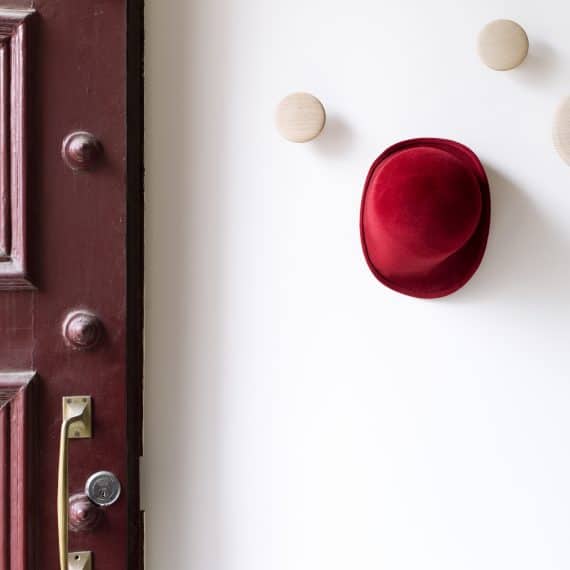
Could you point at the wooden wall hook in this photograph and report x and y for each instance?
(300, 117)
(561, 130)
(503, 45)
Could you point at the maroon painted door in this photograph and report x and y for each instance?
(70, 310)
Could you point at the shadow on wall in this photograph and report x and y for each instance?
(336, 138)
(542, 66)
(526, 262)
(185, 71)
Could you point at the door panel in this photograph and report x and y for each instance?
(68, 245)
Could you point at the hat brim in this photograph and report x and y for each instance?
(455, 271)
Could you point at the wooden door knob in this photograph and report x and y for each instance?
(300, 117)
(82, 330)
(84, 516)
(81, 150)
(503, 45)
(561, 130)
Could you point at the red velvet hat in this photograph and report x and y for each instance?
(425, 214)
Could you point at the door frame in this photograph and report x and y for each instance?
(135, 274)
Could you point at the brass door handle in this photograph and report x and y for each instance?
(76, 424)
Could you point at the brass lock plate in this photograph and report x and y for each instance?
(74, 406)
(80, 561)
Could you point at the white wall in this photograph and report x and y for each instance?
(300, 416)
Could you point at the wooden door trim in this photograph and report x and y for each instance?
(16, 432)
(135, 272)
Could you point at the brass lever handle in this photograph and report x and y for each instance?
(76, 424)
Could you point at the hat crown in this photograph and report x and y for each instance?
(427, 205)
(425, 216)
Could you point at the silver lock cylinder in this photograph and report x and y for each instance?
(103, 488)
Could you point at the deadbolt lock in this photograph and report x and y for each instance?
(103, 488)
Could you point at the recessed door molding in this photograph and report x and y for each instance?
(14, 32)
(16, 408)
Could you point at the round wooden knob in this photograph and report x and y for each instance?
(300, 117)
(84, 516)
(81, 150)
(561, 130)
(82, 330)
(503, 45)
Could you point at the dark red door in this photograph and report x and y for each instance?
(70, 313)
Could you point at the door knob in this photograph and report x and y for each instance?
(76, 424)
(81, 150)
(84, 515)
(82, 330)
